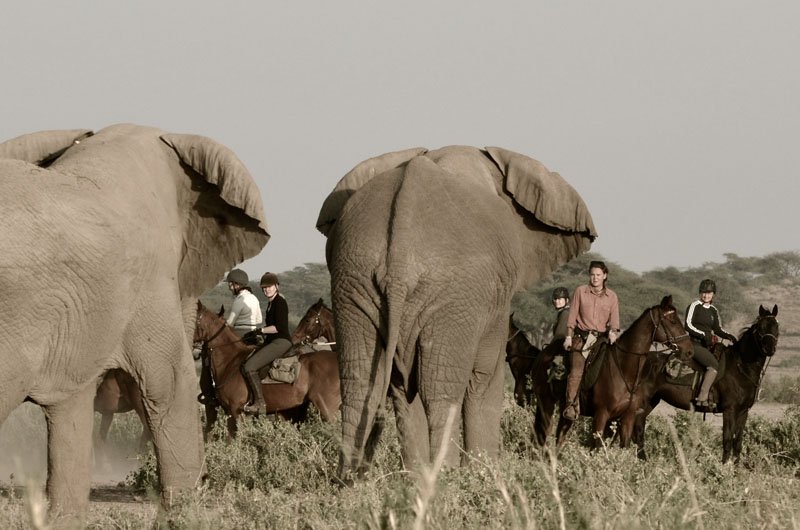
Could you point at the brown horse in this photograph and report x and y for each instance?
(742, 367)
(222, 382)
(118, 393)
(614, 395)
(317, 322)
(520, 356)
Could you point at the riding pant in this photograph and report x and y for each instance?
(263, 357)
(704, 357)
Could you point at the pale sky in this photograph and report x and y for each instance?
(676, 121)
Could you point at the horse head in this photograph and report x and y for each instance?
(766, 330)
(317, 322)
(669, 329)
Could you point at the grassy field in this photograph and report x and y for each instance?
(276, 475)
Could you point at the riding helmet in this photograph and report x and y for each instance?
(708, 286)
(269, 278)
(237, 276)
(560, 292)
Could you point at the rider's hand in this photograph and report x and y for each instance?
(612, 337)
(567, 343)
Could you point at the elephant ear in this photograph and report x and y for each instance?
(355, 179)
(42, 148)
(543, 193)
(226, 223)
(556, 223)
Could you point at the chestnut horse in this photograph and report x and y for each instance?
(222, 382)
(520, 356)
(317, 322)
(742, 367)
(118, 393)
(614, 395)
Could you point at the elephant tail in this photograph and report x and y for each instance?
(395, 301)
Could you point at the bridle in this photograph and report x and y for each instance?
(207, 351)
(759, 341)
(672, 341)
(510, 356)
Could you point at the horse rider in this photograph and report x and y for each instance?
(277, 340)
(594, 313)
(245, 313)
(560, 300)
(704, 326)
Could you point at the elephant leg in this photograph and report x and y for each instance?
(364, 379)
(162, 358)
(483, 402)
(69, 441)
(412, 429)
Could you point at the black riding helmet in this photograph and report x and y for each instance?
(237, 276)
(708, 286)
(269, 278)
(560, 292)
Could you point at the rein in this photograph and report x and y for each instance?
(209, 351)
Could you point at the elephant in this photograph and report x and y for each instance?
(108, 241)
(425, 250)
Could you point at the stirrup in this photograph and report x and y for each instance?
(255, 408)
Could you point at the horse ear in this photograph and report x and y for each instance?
(320, 301)
(221, 310)
(775, 310)
(761, 311)
(666, 301)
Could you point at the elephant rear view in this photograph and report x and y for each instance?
(108, 240)
(426, 249)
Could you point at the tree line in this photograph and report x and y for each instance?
(304, 285)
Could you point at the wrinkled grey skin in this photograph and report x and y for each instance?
(426, 249)
(107, 242)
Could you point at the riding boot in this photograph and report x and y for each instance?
(702, 396)
(572, 409)
(258, 406)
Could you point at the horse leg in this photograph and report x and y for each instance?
(639, 424)
(599, 423)
(545, 404)
(563, 427)
(741, 421)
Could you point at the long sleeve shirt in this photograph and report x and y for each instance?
(245, 313)
(277, 314)
(593, 312)
(702, 321)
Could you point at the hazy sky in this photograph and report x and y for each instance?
(676, 121)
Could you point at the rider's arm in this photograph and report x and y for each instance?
(718, 327)
(236, 308)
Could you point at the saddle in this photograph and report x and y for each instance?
(286, 369)
(690, 373)
(594, 362)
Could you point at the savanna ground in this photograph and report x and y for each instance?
(276, 475)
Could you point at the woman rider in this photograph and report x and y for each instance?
(245, 313)
(594, 313)
(277, 340)
(702, 323)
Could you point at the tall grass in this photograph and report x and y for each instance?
(277, 475)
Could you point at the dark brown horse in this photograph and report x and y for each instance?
(520, 356)
(742, 367)
(119, 393)
(317, 322)
(614, 395)
(222, 382)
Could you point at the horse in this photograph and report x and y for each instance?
(520, 356)
(222, 382)
(317, 322)
(614, 394)
(117, 393)
(742, 368)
